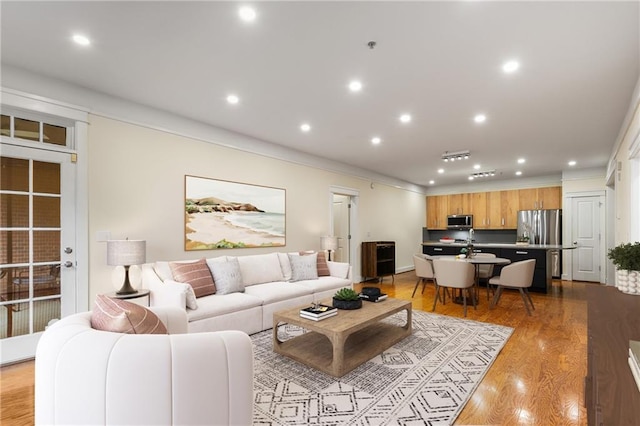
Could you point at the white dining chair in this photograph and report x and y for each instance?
(518, 275)
(424, 271)
(457, 275)
(485, 271)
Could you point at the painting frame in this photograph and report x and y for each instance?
(224, 214)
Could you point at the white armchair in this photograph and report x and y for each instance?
(90, 377)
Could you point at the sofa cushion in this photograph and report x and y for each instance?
(196, 274)
(189, 294)
(216, 305)
(260, 268)
(325, 283)
(338, 269)
(277, 291)
(285, 265)
(323, 268)
(120, 316)
(304, 267)
(227, 276)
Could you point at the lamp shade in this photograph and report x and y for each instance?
(126, 252)
(329, 243)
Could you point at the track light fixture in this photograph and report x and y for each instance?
(457, 155)
(488, 173)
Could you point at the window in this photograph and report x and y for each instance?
(40, 130)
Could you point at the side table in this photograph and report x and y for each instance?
(142, 297)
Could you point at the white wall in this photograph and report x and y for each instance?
(136, 190)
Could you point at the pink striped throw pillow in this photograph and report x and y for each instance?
(120, 316)
(196, 274)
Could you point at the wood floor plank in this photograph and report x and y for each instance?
(536, 379)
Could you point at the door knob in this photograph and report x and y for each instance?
(575, 243)
(68, 250)
(68, 264)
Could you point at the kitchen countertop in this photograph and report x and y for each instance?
(501, 245)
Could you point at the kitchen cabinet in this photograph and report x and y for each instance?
(540, 198)
(437, 210)
(491, 210)
(502, 209)
(479, 210)
(459, 204)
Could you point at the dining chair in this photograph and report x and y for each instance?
(457, 275)
(485, 272)
(424, 271)
(518, 275)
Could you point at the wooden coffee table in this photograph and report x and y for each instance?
(338, 344)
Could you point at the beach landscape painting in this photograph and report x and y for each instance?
(220, 214)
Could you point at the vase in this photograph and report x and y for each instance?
(628, 281)
(347, 304)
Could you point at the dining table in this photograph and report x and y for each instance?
(477, 262)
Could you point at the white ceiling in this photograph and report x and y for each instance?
(439, 61)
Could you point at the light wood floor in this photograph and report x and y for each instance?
(537, 379)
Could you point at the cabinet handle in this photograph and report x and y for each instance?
(522, 252)
(542, 204)
(503, 221)
(437, 249)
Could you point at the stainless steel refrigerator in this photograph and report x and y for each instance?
(543, 227)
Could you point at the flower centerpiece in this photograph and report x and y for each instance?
(626, 258)
(347, 298)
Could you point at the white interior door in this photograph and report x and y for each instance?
(586, 236)
(37, 246)
(341, 226)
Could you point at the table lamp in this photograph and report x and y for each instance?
(329, 244)
(126, 253)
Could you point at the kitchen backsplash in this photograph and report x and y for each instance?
(480, 235)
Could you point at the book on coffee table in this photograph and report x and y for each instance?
(373, 298)
(318, 312)
(319, 318)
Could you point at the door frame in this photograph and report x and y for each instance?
(567, 237)
(38, 106)
(353, 195)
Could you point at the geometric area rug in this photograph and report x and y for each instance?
(425, 379)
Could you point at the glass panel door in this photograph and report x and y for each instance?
(35, 270)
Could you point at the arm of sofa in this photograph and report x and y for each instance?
(169, 293)
(171, 379)
(175, 319)
(340, 269)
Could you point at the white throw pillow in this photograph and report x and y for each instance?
(285, 265)
(188, 291)
(304, 267)
(338, 269)
(227, 276)
(260, 268)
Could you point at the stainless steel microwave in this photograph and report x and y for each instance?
(459, 221)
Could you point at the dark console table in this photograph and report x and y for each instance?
(611, 394)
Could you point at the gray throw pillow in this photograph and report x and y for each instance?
(304, 267)
(227, 276)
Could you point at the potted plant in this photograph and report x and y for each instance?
(626, 258)
(347, 298)
(522, 240)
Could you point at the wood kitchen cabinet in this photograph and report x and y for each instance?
(437, 208)
(459, 203)
(479, 209)
(502, 208)
(540, 198)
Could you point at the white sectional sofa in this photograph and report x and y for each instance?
(267, 289)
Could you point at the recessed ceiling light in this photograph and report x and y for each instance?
(247, 14)
(510, 66)
(521, 160)
(405, 118)
(233, 99)
(355, 86)
(480, 118)
(431, 182)
(305, 127)
(376, 140)
(81, 40)
(518, 173)
(572, 163)
(476, 166)
(440, 171)
(470, 178)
